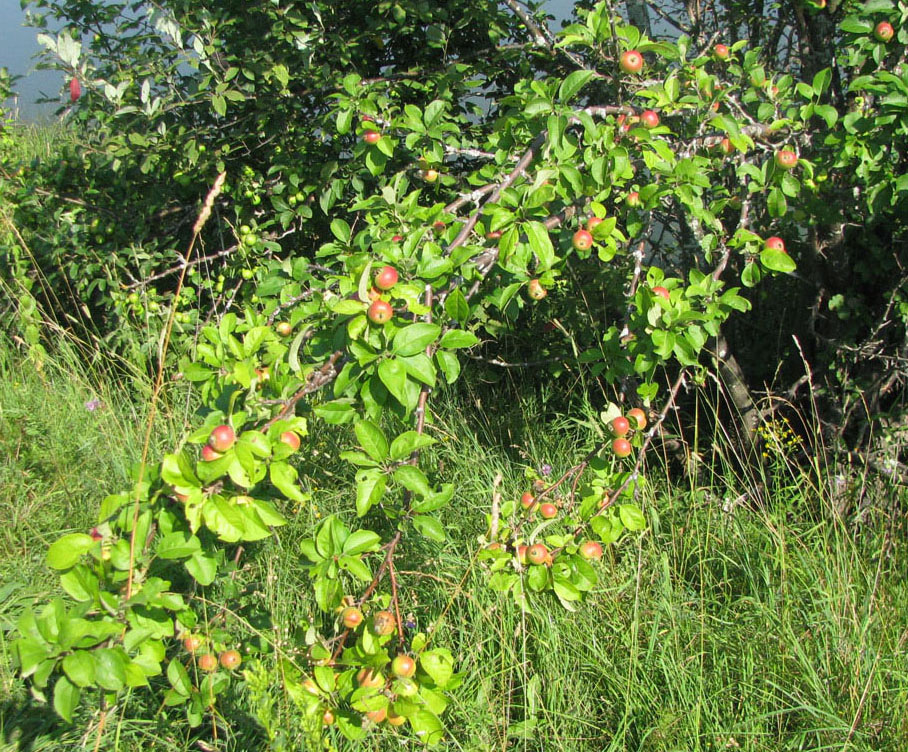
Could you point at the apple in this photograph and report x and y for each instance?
(638, 416)
(96, 534)
(537, 554)
(311, 687)
(283, 328)
(631, 62)
(230, 659)
(328, 717)
(352, 617)
(371, 137)
(633, 200)
(621, 447)
(75, 88)
(535, 290)
(592, 223)
(548, 511)
(380, 312)
(208, 662)
(291, 440)
(383, 623)
(403, 666)
(370, 678)
(192, 643)
(883, 32)
(620, 426)
(386, 278)
(222, 438)
(649, 118)
(493, 235)
(726, 146)
(591, 550)
(661, 292)
(430, 175)
(209, 455)
(397, 238)
(721, 51)
(527, 499)
(582, 240)
(522, 554)
(377, 716)
(396, 720)
(786, 159)
(775, 243)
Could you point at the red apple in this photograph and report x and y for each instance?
(527, 499)
(283, 328)
(403, 666)
(377, 716)
(721, 51)
(775, 243)
(222, 438)
(631, 62)
(883, 31)
(380, 312)
(371, 137)
(620, 426)
(396, 720)
(493, 235)
(192, 643)
(633, 200)
(592, 223)
(352, 617)
(397, 238)
(430, 175)
(208, 662)
(649, 118)
(328, 717)
(75, 88)
(386, 278)
(370, 678)
(535, 290)
(209, 455)
(582, 240)
(662, 292)
(726, 146)
(383, 623)
(638, 416)
(230, 659)
(621, 447)
(786, 159)
(591, 550)
(291, 440)
(537, 554)
(521, 552)
(548, 511)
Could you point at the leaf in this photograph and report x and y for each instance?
(456, 306)
(66, 698)
(430, 527)
(420, 367)
(110, 670)
(541, 245)
(80, 668)
(632, 517)
(65, 552)
(372, 439)
(284, 477)
(178, 545)
(438, 664)
(415, 338)
(394, 376)
(573, 83)
(777, 261)
(361, 541)
(407, 443)
(202, 568)
(179, 678)
(776, 203)
(456, 339)
(370, 487)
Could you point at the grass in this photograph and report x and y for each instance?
(740, 620)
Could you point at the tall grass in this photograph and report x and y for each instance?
(752, 614)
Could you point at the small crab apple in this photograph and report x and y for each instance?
(649, 118)
(620, 426)
(222, 438)
(662, 292)
(633, 200)
(370, 678)
(592, 223)
(631, 62)
(230, 659)
(403, 666)
(883, 31)
(291, 439)
(521, 552)
(535, 290)
(786, 159)
(371, 137)
(352, 617)
(493, 235)
(726, 146)
(396, 720)
(192, 643)
(430, 175)
(537, 554)
(328, 717)
(397, 238)
(721, 51)
(638, 416)
(775, 243)
(209, 455)
(380, 312)
(377, 716)
(208, 662)
(386, 278)
(527, 499)
(548, 511)
(283, 328)
(621, 447)
(582, 240)
(383, 623)
(591, 550)
(75, 88)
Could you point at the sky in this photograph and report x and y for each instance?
(18, 45)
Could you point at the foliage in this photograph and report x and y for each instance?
(431, 143)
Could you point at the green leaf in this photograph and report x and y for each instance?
(372, 439)
(110, 668)
(361, 541)
(202, 568)
(285, 479)
(438, 664)
(420, 367)
(456, 339)
(66, 698)
(430, 527)
(541, 245)
(415, 338)
(632, 517)
(413, 479)
(178, 545)
(456, 306)
(776, 203)
(65, 552)
(179, 678)
(449, 364)
(777, 261)
(573, 83)
(80, 668)
(394, 376)
(407, 443)
(370, 487)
